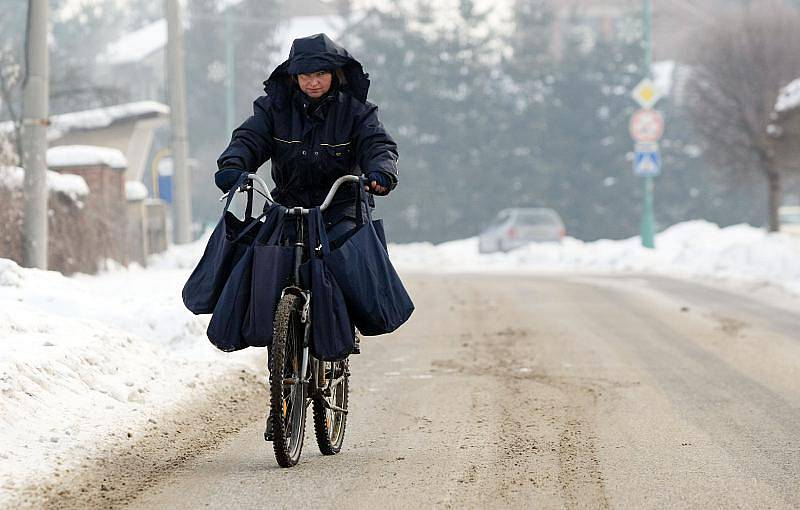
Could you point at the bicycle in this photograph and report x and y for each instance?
(297, 379)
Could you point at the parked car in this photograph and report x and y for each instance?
(789, 217)
(513, 228)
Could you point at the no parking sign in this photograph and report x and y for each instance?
(646, 126)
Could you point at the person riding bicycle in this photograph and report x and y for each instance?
(316, 125)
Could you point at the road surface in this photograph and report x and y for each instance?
(556, 391)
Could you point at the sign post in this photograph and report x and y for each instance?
(647, 127)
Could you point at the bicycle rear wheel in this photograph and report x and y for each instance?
(287, 389)
(330, 407)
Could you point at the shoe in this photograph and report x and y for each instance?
(357, 345)
(268, 433)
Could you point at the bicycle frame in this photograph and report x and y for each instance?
(299, 213)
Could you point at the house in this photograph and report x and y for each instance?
(135, 63)
(784, 132)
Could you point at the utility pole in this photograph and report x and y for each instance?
(230, 61)
(648, 217)
(34, 136)
(182, 203)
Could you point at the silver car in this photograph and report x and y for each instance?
(513, 228)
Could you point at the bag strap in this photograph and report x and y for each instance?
(359, 194)
(362, 200)
(248, 210)
(322, 233)
(273, 225)
(232, 193)
(251, 226)
(317, 236)
(313, 236)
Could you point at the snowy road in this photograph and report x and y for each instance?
(545, 392)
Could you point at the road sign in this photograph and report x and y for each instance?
(647, 159)
(646, 125)
(646, 93)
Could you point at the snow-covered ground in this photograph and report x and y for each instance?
(86, 357)
(691, 249)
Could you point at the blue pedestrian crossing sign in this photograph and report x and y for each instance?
(647, 160)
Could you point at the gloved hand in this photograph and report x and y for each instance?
(378, 183)
(226, 178)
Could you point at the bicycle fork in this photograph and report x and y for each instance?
(305, 318)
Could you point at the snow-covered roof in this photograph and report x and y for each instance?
(137, 45)
(662, 76)
(104, 117)
(789, 97)
(135, 191)
(98, 118)
(71, 185)
(302, 26)
(85, 155)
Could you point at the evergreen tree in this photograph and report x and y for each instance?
(438, 98)
(587, 118)
(206, 73)
(527, 80)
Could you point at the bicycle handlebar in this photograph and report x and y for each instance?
(325, 203)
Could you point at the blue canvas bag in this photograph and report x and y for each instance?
(375, 295)
(225, 330)
(272, 268)
(227, 244)
(332, 332)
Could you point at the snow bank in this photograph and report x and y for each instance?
(789, 97)
(85, 155)
(85, 356)
(695, 248)
(71, 185)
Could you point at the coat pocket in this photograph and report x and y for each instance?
(286, 150)
(338, 158)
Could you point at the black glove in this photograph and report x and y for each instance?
(226, 178)
(381, 179)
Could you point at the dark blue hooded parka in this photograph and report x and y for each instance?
(311, 144)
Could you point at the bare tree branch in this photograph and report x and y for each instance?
(741, 61)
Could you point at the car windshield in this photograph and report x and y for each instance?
(536, 218)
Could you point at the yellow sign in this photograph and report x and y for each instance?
(646, 93)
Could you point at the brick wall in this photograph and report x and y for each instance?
(82, 233)
(107, 206)
(67, 249)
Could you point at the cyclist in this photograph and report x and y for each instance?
(316, 125)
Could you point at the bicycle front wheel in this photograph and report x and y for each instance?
(287, 389)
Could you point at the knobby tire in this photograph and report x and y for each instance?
(288, 402)
(329, 426)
